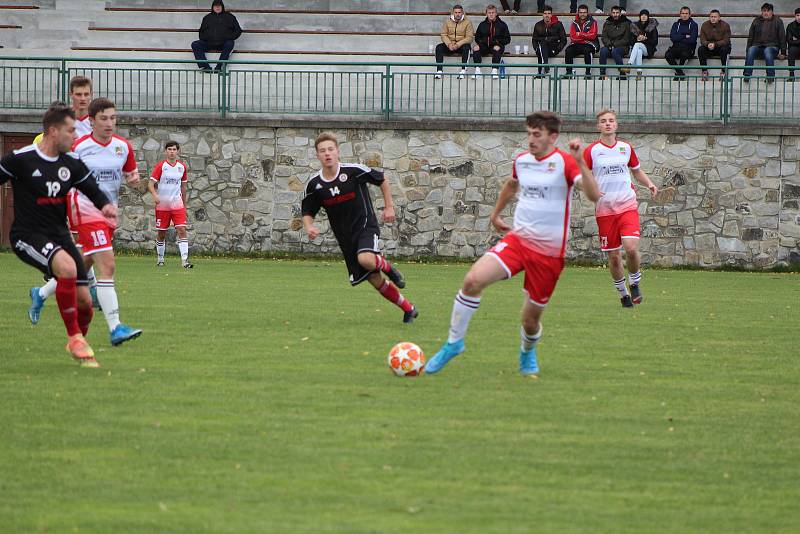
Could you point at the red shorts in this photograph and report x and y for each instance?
(95, 237)
(164, 217)
(541, 272)
(614, 228)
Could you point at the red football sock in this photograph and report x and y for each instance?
(67, 298)
(85, 318)
(392, 294)
(382, 264)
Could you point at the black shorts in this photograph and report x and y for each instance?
(37, 249)
(365, 241)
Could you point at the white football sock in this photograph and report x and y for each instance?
(107, 295)
(635, 278)
(91, 277)
(621, 287)
(48, 289)
(529, 341)
(160, 246)
(183, 247)
(463, 309)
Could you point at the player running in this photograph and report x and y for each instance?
(170, 199)
(544, 177)
(41, 176)
(341, 189)
(110, 158)
(612, 161)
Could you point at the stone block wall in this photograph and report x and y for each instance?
(727, 197)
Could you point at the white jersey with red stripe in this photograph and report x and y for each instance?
(169, 179)
(541, 218)
(82, 126)
(107, 162)
(611, 166)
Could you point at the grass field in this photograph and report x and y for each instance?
(258, 399)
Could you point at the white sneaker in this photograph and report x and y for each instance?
(477, 73)
(598, 12)
(462, 74)
(495, 76)
(623, 12)
(438, 75)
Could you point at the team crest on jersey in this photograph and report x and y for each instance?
(343, 177)
(551, 166)
(63, 174)
(118, 150)
(622, 150)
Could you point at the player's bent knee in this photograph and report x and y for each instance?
(367, 261)
(473, 284)
(63, 266)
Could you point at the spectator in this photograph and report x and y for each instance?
(617, 34)
(491, 37)
(767, 39)
(583, 34)
(645, 37)
(457, 34)
(218, 31)
(793, 42)
(539, 3)
(549, 37)
(600, 3)
(715, 41)
(684, 41)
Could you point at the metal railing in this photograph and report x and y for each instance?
(397, 90)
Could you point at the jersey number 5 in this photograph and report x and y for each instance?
(99, 238)
(53, 188)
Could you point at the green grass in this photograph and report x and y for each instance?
(258, 399)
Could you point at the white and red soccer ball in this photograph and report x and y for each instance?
(406, 359)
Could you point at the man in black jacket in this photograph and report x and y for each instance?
(793, 42)
(549, 38)
(218, 31)
(491, 37)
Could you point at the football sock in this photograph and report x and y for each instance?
(382, 264)
(160, 246)
(463, 308)
(48, 289)
(529, 341)
(67, 298)
(85, 318)
(392, 294)
(621, 287)
(183, 247)
(107, 296)
(91, 277)
(635, 278)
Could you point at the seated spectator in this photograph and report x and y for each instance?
(457, 34)
(767, 39)
(218, 31)
(600, 3)
(549, 37)
(491, 37)
(793, 42)
(583, 34)
(515, 10)
(684, 41)
(645, 39)
(616, 37)
(715, 41)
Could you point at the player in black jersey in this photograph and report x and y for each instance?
(41, 175)
(341, 189)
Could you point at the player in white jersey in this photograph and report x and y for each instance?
(110, 158)
(170, 199)
(612, 161)
(544, 178)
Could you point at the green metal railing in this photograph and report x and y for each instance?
(398, 90)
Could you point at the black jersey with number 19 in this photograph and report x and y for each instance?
(40, 185)
(345, 199)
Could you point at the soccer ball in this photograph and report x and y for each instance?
(406, 359)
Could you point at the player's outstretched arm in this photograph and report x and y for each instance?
(588, 184)
(645, 180)
(507, 193)
(308, 226)
(388, 202)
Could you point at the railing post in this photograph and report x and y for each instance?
(63, 89)
(386, 105)
(726, 95)
(222, 91)
(555, 87)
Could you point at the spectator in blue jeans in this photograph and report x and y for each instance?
(218, 31)
(616, 37)
(767, 39)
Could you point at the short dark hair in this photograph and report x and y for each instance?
(79, 81)
(547, 8)
(544, 119)
(797, 11)
(172, 143)
(687, 8)
(100, 104)
(56, 114)
(616, 7)
(767, 6)
(583, 6)
(458, 6)
(714, 11)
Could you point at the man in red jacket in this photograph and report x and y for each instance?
(583, 34)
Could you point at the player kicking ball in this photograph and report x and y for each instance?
(543, 179)
(341, 190)
(169, 178)
(41, 176)
(612, 160)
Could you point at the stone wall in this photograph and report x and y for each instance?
(726, 198)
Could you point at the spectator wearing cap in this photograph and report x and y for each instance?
(645, 40)
(766, 39)
(715, 41)
(793, 42)
(218, 31)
